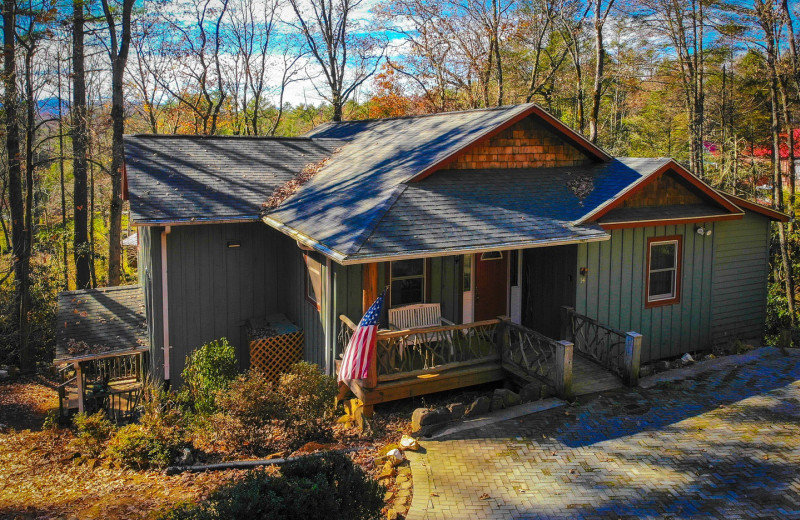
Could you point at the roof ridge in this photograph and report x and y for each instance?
(234, 137)
(432, 114)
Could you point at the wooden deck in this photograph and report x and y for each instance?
(588, 377)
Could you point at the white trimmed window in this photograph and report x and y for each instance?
(663, 270)
(408, 282)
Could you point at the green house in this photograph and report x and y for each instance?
(468, 215)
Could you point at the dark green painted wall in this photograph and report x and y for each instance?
(741, 264)
(712, 296)
(214, 289)
(549, 281)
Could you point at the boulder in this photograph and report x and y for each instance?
(185, 458)
(497, 403)
(426, 417)
(479, 406)
(409, 443)
(509, 398)
(530, 392)
(456, 411)
(396, 457)
(709, 357)
(687, 359)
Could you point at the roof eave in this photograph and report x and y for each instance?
(344, 259)
(770, 213)
(670, 164)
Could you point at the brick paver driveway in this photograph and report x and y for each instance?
(724, 444)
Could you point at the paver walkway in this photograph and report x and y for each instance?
(724, 444)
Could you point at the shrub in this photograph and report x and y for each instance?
(327, 486)
(93, 433)
(309, 396)
(251, 406)
(159, 436)
(209, 369)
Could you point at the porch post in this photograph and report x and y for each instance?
(369, 285)
(633, 354)
(564, 369)
(566, 323)
(79, 381)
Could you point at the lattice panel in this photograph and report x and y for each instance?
(275, 354)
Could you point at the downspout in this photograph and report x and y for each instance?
(165, 299)
(330, 323)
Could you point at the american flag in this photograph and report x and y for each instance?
(355, 363)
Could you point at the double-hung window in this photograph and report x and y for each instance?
(408, 282)
(663, 270)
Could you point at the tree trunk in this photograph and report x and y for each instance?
(767, 21)
(61, 178)
(14, 158)
(118, 54)
(79, 163)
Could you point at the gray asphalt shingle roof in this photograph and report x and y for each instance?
(473, 209)
(188, 178)
(111, 317)
(343, 203)
(361, 204)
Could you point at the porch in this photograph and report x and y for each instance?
(420, 361)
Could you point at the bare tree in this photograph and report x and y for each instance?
(346, 58)
(117, 48)
(768, 21)
(600, 16)
(195, 78)
(81, 247)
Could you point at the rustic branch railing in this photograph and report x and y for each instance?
(539, 356)
(615, 350)
(430, 347)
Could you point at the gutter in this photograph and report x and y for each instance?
(165, 299)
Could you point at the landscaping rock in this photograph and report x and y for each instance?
(687, 359)
(708, 357)
(426, 417)
(456, 411)
(645, 370)
(391, 514)
(497, 403)
(396, 457)
(662, 365)
(387, 471)
(3, 374)
(479, 406)
(530, 392)
(185, 458)
(509, 398)
(676, 364)
(409, 443)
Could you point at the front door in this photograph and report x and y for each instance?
(491, 285)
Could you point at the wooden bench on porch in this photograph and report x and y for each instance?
(412, 362)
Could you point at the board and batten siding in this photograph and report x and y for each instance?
(213, 289)
(741, 265)
(292, 300)
(613, 292)
(723, 286)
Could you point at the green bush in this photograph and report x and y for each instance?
(328, 486)
(208, 369)
(251, 407)
(157, 439)
(309, 396)
(93, 433)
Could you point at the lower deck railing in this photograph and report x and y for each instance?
(407, 353)
(615, 350)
